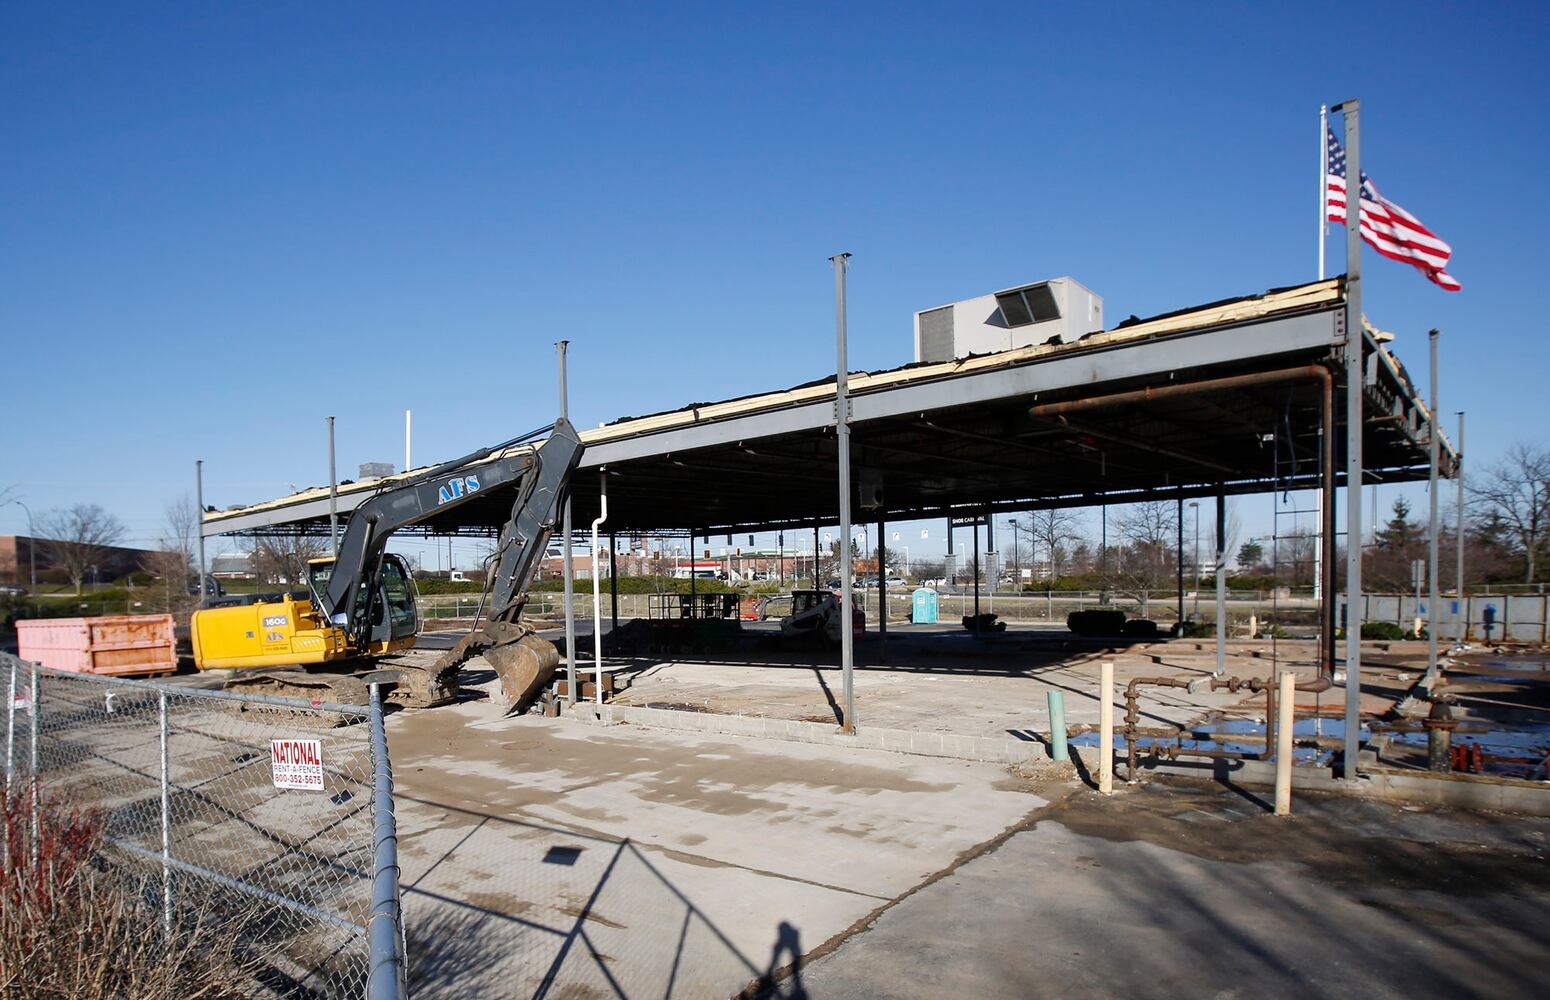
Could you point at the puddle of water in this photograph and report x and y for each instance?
(1330, 728)
(1527, 663)
(1300, 755)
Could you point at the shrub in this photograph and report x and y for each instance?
(431, 588)
(1096, 622)
(1139, 628)
(74, 926)
(641, 585)
(1386, 631)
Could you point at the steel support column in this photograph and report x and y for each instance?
(613, 579)
(842, 432)
(1221, 581)
(1354, 375)
(882, 588)
(1434, 432)
(1458, 570)
(1178, 563)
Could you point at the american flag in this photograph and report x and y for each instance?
(1386, 227)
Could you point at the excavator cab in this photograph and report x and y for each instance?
(394, 610)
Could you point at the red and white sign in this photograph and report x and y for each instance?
(297, 764)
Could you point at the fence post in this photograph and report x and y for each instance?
(386, 973)
(10, 741)
(32, 761)
(10, 730)
(166, 822)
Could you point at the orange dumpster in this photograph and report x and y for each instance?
(107, 644)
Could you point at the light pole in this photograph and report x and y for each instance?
(1195, 559)
(32, 548)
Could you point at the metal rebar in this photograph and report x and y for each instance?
(385, 978)
(166, 819)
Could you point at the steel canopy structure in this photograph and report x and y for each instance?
(1223, 398)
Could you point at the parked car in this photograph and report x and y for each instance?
(12, 590)
(897, 581)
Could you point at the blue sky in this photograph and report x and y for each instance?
(221, 223)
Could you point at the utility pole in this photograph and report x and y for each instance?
(333, 495)
(32, 546)
(199, 526)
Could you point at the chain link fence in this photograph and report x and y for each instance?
(275, 813)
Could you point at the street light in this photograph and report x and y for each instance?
(32, 547)
(1196, 558)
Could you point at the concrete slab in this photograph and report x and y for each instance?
(653, 863)
(946, 680)
(1191, 891)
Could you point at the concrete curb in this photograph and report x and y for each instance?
(996, 749)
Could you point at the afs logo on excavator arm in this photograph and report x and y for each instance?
(456, 488)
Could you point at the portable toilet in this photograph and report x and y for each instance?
(923, 606)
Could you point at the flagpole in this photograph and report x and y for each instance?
(1350, 110)
(1323, 189)
(1318, 499)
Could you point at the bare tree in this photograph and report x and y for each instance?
(173, 560)
(1053, 531)
(1514, 494)
(78, 538)
(284, 558)
(1147, 560)
(1229, 539)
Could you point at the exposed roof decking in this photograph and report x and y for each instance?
(958, 434)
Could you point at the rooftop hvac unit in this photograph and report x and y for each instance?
(375, 470)
(1060, 308)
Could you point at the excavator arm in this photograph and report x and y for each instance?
(542, 475)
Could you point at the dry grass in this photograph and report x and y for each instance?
(74, 927)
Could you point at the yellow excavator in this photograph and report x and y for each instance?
(322, 643)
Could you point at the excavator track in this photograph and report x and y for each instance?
(403, 684)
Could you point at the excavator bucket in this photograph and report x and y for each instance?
(524, 667)
(523, 663)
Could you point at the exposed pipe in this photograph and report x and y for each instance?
(1327, 420)
(597, 593)
(1231, 684)
(1178, 389)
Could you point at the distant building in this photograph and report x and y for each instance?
(233, 567)
(17, 553)
(375, 470)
